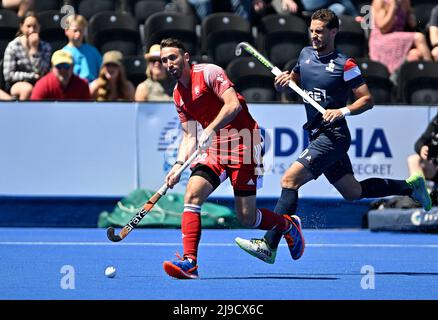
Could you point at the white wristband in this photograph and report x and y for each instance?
(345, 111)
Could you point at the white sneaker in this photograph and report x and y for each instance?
(258, 248)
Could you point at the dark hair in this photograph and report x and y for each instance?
(327, 16)
(173, 43)
(23, 18)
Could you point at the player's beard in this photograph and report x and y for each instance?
(319, 45)
(177, 72)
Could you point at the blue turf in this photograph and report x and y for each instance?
(406, 266)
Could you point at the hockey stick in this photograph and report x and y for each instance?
(252, 51)
(147, 207)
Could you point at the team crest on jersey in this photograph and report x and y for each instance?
(331, 66)
(220, 78)
(307, 61)
(197, 90)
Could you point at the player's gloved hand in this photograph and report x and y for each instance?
(205, 140)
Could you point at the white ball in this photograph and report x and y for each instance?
(110, 272)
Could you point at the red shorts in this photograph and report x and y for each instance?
(242, 167)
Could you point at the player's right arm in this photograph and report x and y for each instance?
(185, 149)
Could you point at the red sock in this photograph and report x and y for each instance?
(191, 230)
(270, 220)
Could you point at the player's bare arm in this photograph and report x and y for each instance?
(186, 148)
(363, 103)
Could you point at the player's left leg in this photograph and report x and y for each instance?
(201, 184)
(414, 186)
(264, 219)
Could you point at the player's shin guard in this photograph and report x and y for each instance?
(287, 204)
(191, 230)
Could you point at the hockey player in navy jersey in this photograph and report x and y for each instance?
(328, 76)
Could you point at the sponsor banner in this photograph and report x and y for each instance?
(109, 149)
(382, 139)
(67, 149)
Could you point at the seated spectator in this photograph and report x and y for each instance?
(86, 58)
(26, 59)
(389, 43)
(4, 95)
(61, 84)
(251, 10)
(339, 7)
(112, 84)
(285, 6)
(433, 32)
(425, 160)
(158, 86)
(21, 6)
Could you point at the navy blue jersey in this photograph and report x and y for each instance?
(328, 79)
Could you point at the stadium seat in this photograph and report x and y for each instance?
(88, 8)
(145, 8)
(252, 80)
(9, 24)
(376, 76)
(350, 39)
(418, 82)
(135, 67)
(114, 31)
(221, 32)
(171, 24)
(2, 78)
(281, 37)
(422, 10)
(46, 5)
(51, 30)
(200, 59)
(359, 4)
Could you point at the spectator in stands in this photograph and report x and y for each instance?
(61, 84)
(26, 59)
(158, 86)
(389, 43)
(4, 95)
(112, 84)
(21, 6)
(248, 9)
(433, 32)
(285, 6)
(339, 7)
(425, 159)
(86, 58)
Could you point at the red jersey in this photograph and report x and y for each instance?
(230, 152)
(201, 101)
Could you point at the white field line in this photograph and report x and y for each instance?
(171, 244)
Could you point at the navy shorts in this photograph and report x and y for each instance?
(327, 154)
